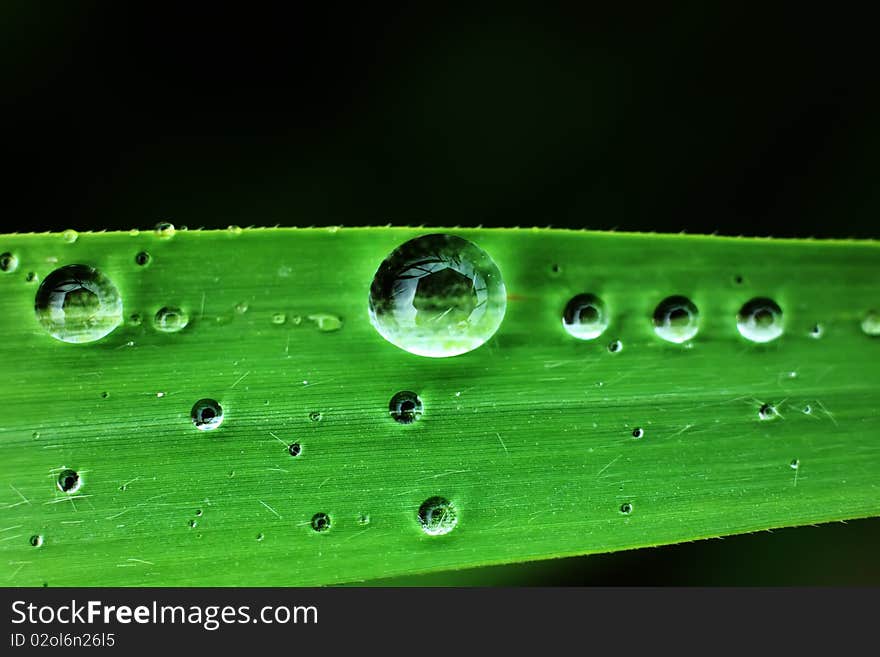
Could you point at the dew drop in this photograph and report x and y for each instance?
(585, 317)
(817, 331)
(36, 540)
(871, 323)
(135, 319)
(807, 409)
(142, 259)
(234, 230)
(164, 230)
(626, 508)
(8, 263)
(78, 304)
(68, 481)
(170, 319)
(364, 519)
(193, 524)
(795, 464)
(279, 318)
(206, 415)
(767, 412)
(241, 308)
(437, 516)
(405, 407)
(295, 449)
(760, 320)
(320, 522)
(437, 296)
(638, 432)
(676, 319)
(326, 322)
(30, 277)
(260, 537)
(615, 347)
(69, 236)
(316, 416)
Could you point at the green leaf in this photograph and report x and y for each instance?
(542, 444)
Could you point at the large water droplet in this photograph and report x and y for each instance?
(585, 317)
(77, 304)
(437, 296)
(871, 323)
(437, 516)
(676, 319)
(760, 320)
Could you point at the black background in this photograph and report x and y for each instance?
(699, 117)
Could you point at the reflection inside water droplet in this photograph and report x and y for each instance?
(171, 319)
(585, 317)
(437, 516)
(78, 304)
(207, 415)
(437, 296)
(760, 320)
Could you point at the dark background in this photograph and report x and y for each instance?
(727, 119)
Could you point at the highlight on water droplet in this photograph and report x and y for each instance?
(817, 331)
(585, 317)
(170, 319)
(36, 540)
(760, 320)
(142, 258)
(795, 464)
(69, 236)
(437, 296)
(206, 415)
(241, 308)
(326, 322)
(279, 318)
(234, 230)
(437, 516)
(767, 412)
(638, 432)
(626, 508)
(405, 407)
(871, 323)
(68, 481)
(615, 346)
(676, 319)
(8, 263)
(294, 449)
(78, 304)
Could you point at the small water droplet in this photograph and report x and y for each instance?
(35, 435)
(437, 296)
(326, 322)
(320, 522)
(8, 263)
(555, 269)
(206, 415)
(142, 258)
(817, 331)
(170, 319)
(30, 277)
(199, 513)
(193, 524)
(795, 464)
(676, 319)
(105, 395)
(316, 416)
(295, 449)
(68, 481)
(160, 395)
(405, 407)
(871, 323)
(767, 412)
(279, 318)
(615, 347)
(364, 519)
(738, 279)
(134, 232)
(260, 537)
(69, 236)
(164, 230)
(284, 271)
(437, 516)
(626, 508)
(760, 320)
(638, 432)
(585, 317)
(241, 308)
(78, 304)
(135, 319)
(36, 540)
(234, 230)
(807, 409)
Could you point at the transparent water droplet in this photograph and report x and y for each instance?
(164, 230)
(260, 537)
(807, 409)
(234, 230)
(170, 319)
(626, 508)
(69, 236)
(142, 259)
(767, 412)
(206, 415)
(8, 263)
(320, 522)
(871, 323)
(364, 519)
(193, 524)
(326, 322)
(68, 481)
(135, 319)
(241, 308)
(405, 407)
(36, 540)
(638, 432)
(316, 416)
(437, 516)
(817, 331)
(795, 464)
(295, 449)
(676, 319)
(615, 347)
(585, 317)
(279, 318)
(78, 304)
(134, 232)
(760, 320)
(159, 395)
(437, 296)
